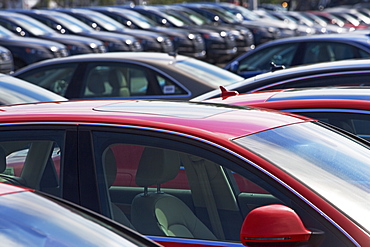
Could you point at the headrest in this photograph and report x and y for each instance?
(95, 83)
(117, 79)
(110, 166)
(157, 166)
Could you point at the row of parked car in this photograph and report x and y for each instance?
(216, 33)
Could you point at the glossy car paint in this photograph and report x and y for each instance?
(215, 126)
(26, 26)
(186, 43)
(354, 40)
(345, 107)
(193, 76)
(27, 50)
(150, 41)
(22, 219)
(66, 24)
(338, 73)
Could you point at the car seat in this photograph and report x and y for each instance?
(110, 175)
(119, 84)
(159, 213)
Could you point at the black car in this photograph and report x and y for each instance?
(186, 43)
(66, 24)
(150, 41)
(26, 26)
(248, 16)
(26, 51)
(295, 51)
(354, 72)
(220, 44)
(244, 39)
(6, 60)
(262, 32)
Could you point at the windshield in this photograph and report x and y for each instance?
(207, 72)
(331, 164)
(73, 24)
(106, 22)
(141, 21)
(5, 32)
(194, 17)
(35, 27)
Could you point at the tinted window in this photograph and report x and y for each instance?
(158, 186)
(33, 159)
(260, 60)
(125, 80)
(53, 78)
(330, 51)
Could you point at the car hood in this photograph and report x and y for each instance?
(32, 41)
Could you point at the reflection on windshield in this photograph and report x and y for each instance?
(331, 164)
(35, 27)
(5, 32)
(74, 24)
(207, 72)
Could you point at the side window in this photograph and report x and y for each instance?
(164, 188)
(363, 54)
(342, 79)
(260, 60)
(318, 52)
(53, 78)
(32, 162)
(124, 80)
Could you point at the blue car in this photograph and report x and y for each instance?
(301, 50)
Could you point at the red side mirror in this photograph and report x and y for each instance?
(276, 224)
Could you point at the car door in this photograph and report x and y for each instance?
(138, 167)
(41, 157)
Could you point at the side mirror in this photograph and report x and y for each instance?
(277, 225)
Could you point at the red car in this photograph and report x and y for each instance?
(344, 107)
(304, 183)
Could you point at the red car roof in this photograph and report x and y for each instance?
(191, 118)
(282, 99)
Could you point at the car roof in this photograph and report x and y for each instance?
(217, 120)
(258, 82)
(344, 97)
(147, 57)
